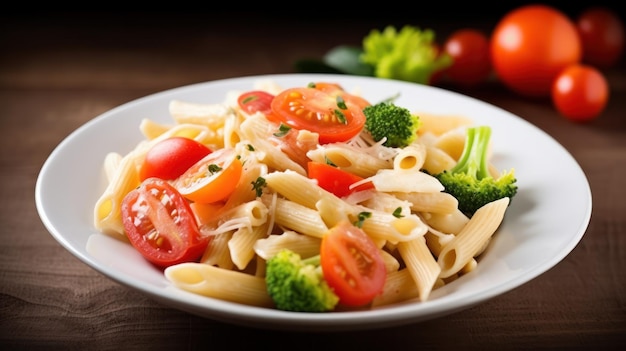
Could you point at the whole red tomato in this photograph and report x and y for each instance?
(530, 46)
(469, 49)
(602, 36)
(580, 92)
(171, 157)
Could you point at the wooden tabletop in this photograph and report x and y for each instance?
(60, 70)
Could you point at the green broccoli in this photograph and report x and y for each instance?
(387, 120)
(297, 284)
(409, 54)
(470, 181)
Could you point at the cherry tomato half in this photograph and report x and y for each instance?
(471, 59)
(602, 35)
(580, 92)
(335, 180)
(170, 157)
(352, 264)
(211, 179)
(160, 225)
(256, 101)
(334, 114)
(531, 45)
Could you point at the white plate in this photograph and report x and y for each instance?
(545, 221)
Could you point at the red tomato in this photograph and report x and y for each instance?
(469, 49)
(352, 264)
(211, 179)
(531, 45)
(602, 36)
(580, 92)
(335, 180)
(335, 89)
(160, 225)
(334, 114)
(170, 157)
(256, 101)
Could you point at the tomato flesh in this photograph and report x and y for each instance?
(352, 264)
(211, 179)
(334, 114)
(171, 157)
(335, 180)
(256, 101)
(160, 224)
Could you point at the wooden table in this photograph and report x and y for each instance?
(58, 71)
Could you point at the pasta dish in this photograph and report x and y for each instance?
(214, 216)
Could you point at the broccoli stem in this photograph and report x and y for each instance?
(313, 260)
(473, 160)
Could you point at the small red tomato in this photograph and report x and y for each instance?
(171, 157)
(159, 223)
(580, 92)
(469, 49)
(602, 36)
(352, 264)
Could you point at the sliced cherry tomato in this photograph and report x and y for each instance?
(602, 35)
(256, 101)
(469, 49)
(531, 45)
(335, 115)
(335, 180)
(352, 264)
(211, 179)
(335, 89)
(580, 92)
(170, 157)
(160, 225)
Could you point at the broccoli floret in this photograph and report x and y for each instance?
(387, 120)
(409, 54)
(297, 284)
(470, 181)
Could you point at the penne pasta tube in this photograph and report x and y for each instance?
(210, 115)
(219, 283)
(351, 159)
(112, 161)
(452, 222)
(438, 124)
(437, 160)
(472, 238)
(438, 202)
(421, 265)
(241, 244)
(107, 211)
(388, 180)
(299, 218)
(304, 245)
(452, 142)
(298, 188)
(217, 253)
(399, 286)
(383, 225)
(410, 158)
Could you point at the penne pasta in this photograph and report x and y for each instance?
(219, 283)
(472, 238)
(421, 265)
